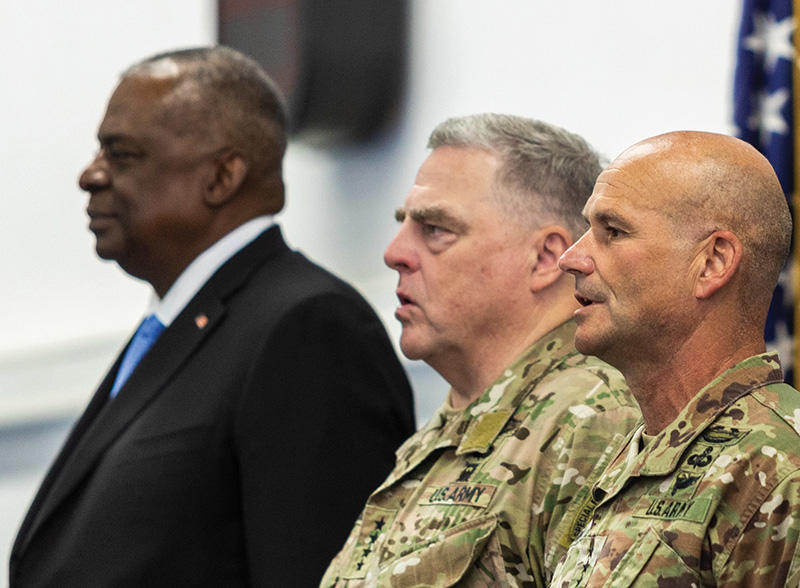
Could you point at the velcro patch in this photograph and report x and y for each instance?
(483, 431)
(478, 495)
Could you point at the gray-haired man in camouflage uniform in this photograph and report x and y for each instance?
(493, 488)
(688, 233)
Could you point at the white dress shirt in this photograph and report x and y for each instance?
(203, 267)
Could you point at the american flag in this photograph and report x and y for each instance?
(763, 114)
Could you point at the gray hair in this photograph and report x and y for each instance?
(224, 95)
(546, 173)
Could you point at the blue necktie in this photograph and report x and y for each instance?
(145, 336)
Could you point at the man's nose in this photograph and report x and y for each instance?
(400, 255)
(95, 177)
(576, 260)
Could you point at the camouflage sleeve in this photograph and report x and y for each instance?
(768, 553)
(589, 435)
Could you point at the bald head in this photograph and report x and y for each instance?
(705, 182)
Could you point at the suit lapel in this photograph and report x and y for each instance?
(104, 421)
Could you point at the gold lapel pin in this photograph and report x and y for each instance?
(201, 321)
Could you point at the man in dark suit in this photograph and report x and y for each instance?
(240, 448)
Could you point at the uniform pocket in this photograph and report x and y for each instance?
(467, 550)
(650, 562)
(579, 561)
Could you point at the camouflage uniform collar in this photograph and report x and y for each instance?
(662, 454)
(475, 428)
(482, 421)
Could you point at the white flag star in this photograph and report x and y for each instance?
(771, 38)
(767, 117)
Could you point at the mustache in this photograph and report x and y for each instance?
(587, 295)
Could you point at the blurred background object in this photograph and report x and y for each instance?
(340, 63)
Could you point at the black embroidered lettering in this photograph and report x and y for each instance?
(439, 494)
(655, 508)
(478, 491)
(672, 510)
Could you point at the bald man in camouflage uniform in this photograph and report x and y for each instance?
(707, 491)
(494, 487)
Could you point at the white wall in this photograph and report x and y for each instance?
(615, 71)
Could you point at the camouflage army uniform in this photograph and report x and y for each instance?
(713, 500)
(489, 495)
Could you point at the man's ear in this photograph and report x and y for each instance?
(548, 246)
(229, 172)
(717, 263)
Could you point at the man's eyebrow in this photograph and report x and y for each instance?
(112, 138)
(431, 215)
(609, 217)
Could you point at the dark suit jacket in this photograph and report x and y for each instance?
(241, 449)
